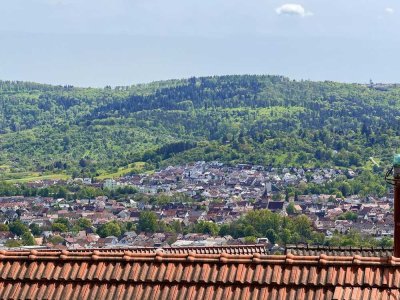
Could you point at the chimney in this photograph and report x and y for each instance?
(396, 179)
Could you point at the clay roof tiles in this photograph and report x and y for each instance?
(338, 251)
(126, 274)
(231, 249)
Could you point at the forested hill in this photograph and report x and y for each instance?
(269, 120)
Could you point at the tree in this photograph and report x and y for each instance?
(276, 197)
(176, 226)
(386, 242)
(207, 228)
(250, 239)
(224, 230)
(302, 226)
(147, 221)
(63, 221)
(59, 227)
(84, 223)
(348, 215)
(271, 235)
(250, 231)
(346, 189)
(286, 236)
(62, 192)
(109, 229)
(35, 229)
(55, 240)
(27, 239)
(352, 238)
(318, 238)
(13, 243)
(4, 227)
(83, 162)
(290, 209)
(18, 228)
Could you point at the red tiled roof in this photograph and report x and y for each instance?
(338, 251)
(158, 275)
(231, 249)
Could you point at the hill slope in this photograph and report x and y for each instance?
(258, 119)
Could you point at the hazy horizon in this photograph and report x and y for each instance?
(121, 42)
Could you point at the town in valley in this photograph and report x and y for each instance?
(201, 197)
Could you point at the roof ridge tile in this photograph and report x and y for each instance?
(192, 256)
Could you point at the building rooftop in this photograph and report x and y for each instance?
(231, 249)
(127, 274)
(339, 251)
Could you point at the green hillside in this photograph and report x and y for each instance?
(269, 120)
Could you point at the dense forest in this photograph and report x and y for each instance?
(268, 120)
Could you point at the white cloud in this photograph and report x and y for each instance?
(293, 10)
(389, 10)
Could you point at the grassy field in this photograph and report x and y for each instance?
(21, 177)
(373, 161)
(136, 167)
(29, 177)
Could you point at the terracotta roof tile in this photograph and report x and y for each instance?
(125, 274)
(231, 249)
(365, 293)
(338, 251)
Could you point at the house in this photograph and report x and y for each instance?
(110, 184)
(10, 215)
(87, 181)
(107, 242)
(275, 205)
(6, 235)
(128, 238)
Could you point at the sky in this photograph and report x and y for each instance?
(123, 42)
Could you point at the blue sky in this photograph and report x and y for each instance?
(122, 42)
